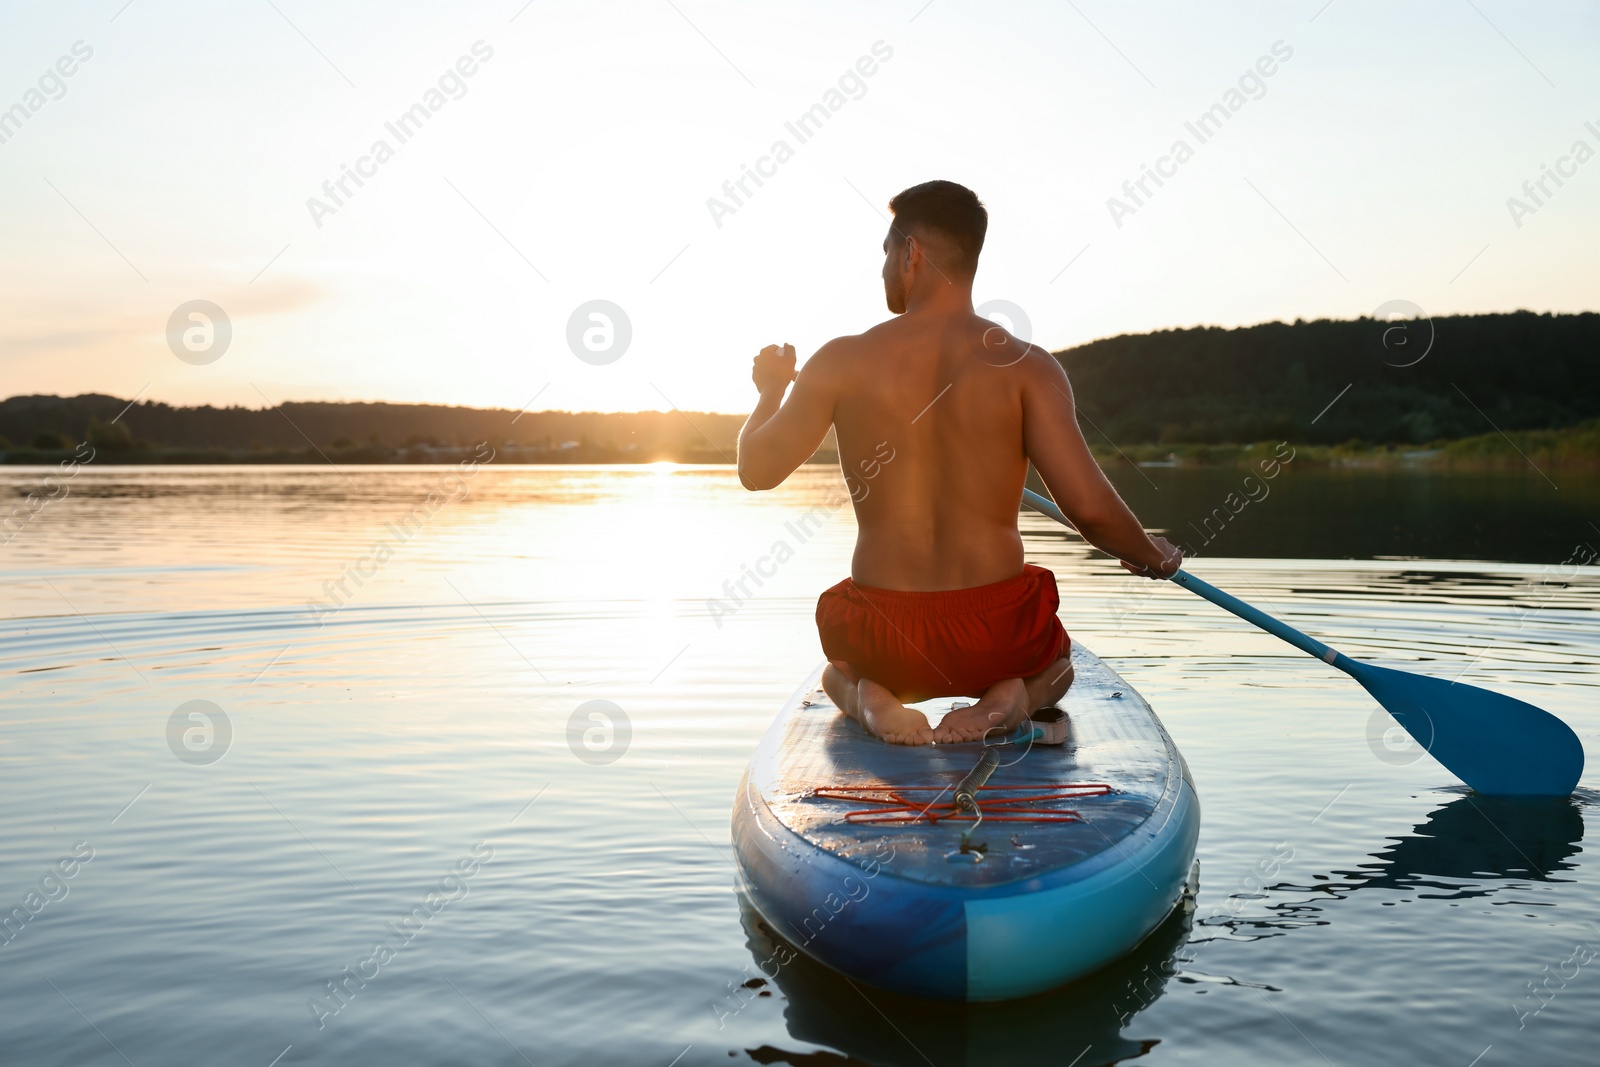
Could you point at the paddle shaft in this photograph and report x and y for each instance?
(1304, 642)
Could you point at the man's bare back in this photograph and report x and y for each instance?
(943, 514)
(938, 413)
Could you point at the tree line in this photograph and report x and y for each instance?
(1330, 382)
(1321, 382)
(375, 429)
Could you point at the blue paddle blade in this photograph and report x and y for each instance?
(1496, 744)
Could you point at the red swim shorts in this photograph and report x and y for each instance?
(953, 642)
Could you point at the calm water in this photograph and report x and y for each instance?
(400, 762)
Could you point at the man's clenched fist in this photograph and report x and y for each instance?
(773, 368)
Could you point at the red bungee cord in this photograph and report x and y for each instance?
(1001, 803)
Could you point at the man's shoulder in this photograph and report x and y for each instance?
(839, 354)
(849, 348)
(876, 334)
(1035, 365)
(1040, 363)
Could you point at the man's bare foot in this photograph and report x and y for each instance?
(875, 708)
(994, 716)
(889, 719)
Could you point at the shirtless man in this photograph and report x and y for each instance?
(939, 601)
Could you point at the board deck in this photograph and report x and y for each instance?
(844, 891)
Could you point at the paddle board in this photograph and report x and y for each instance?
(852, 849)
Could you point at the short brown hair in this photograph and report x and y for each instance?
(950, 210)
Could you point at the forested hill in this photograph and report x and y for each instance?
(1213, 385)
(1518, 371)
(380, 430)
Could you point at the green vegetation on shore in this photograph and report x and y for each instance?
(1577, 446)
(35, 429)
(1478, 391)
(1409, 382)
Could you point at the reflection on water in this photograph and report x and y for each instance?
(1084, 1019)
(1472, 846)
(1467, 845)
(1317, 512)
(389, 710)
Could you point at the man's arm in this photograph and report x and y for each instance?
(1056, 446)
(779, 436)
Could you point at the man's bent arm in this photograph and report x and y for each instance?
(766, 407)
(779, 436)
(1056, 446)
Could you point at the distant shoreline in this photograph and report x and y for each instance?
(1573, 448)
(1367, 391)
(1576, 447)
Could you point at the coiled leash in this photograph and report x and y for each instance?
(1048, 727)
(967, 796)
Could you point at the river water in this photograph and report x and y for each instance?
(258, 721)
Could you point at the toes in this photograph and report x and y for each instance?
(907, 739)
(962, 732)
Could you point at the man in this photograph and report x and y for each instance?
(942, 410)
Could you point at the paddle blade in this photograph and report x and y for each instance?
(1496, 744)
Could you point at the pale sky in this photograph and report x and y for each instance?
(576, 161)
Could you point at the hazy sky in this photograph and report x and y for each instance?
(576, 160)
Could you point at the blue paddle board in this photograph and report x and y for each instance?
(852, 849)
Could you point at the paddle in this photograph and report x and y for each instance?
(1496, 744)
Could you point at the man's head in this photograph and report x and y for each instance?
(935, 238)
